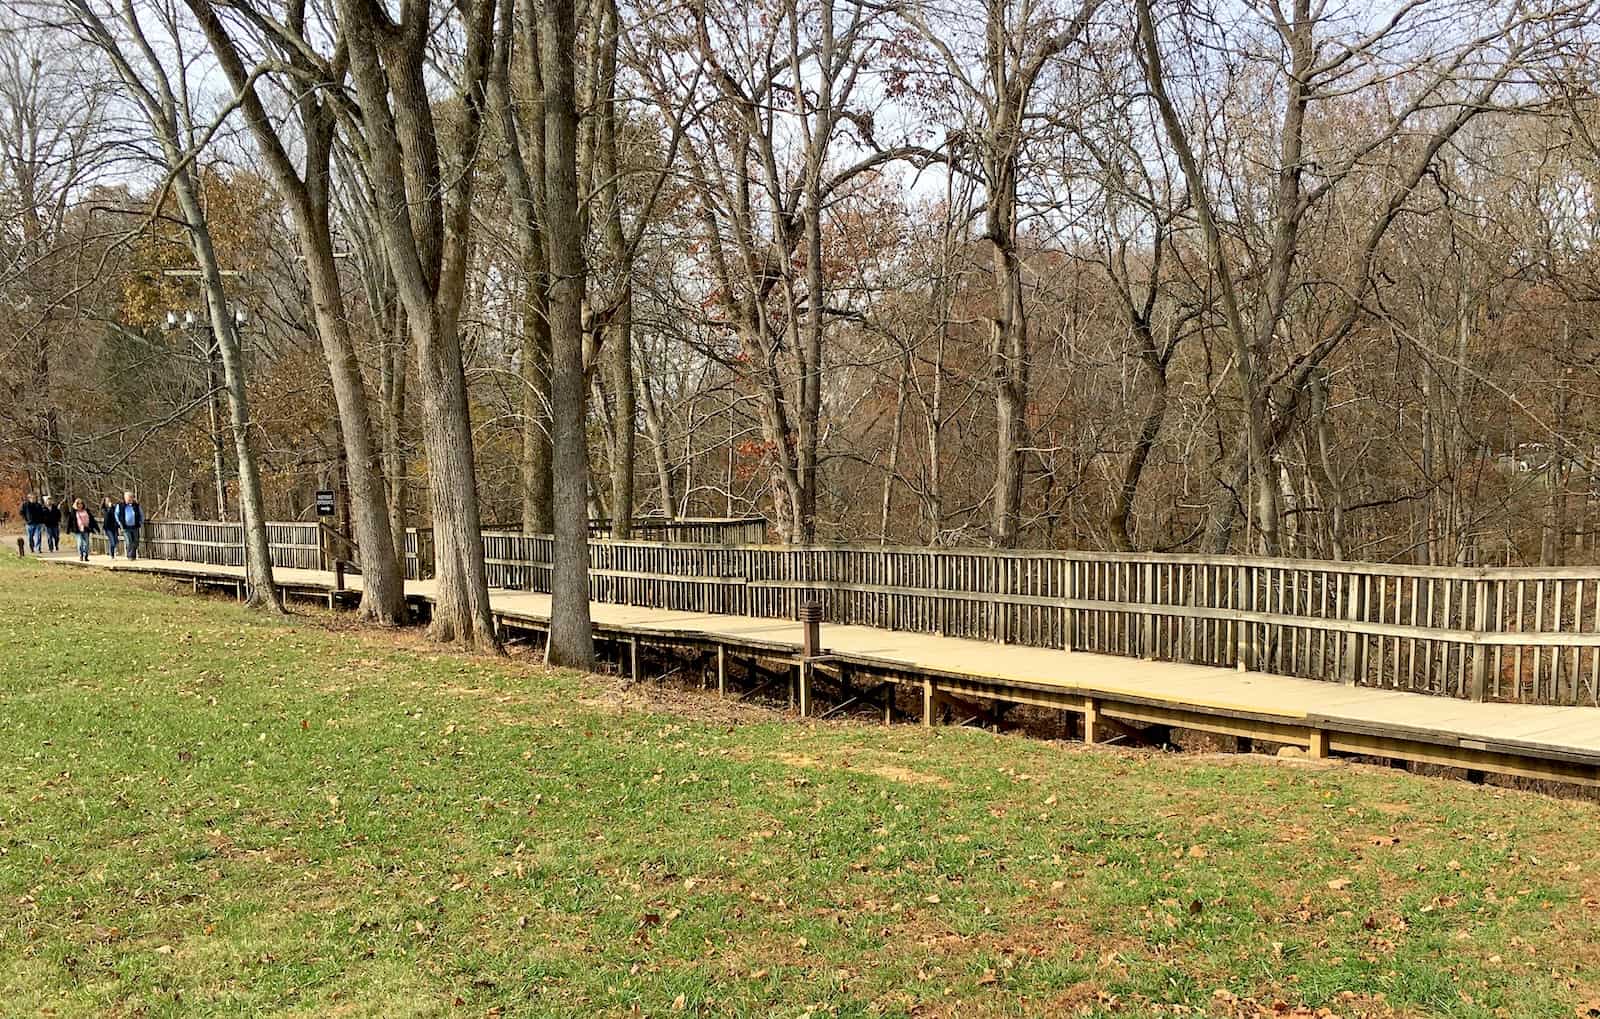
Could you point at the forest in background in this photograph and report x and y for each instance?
(1285, 277)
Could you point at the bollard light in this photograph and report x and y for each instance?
(811, 628)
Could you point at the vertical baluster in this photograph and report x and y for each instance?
(1427, 644)
(1555, 650)
(1577, 628)
(1538, 650)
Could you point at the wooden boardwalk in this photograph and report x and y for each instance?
(959, 679)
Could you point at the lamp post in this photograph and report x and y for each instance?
(195, 328)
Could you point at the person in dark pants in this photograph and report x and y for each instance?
(108, 524)
(32, 513)
(81, 523)
(52, 524)
(130, 516)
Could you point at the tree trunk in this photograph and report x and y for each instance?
(619, 375)
(307, 194)
(1123, 498)
(396, 467)
(461, 609)
(619, 339)
(382, 580)
(538, 512)
(571, 640)
(219, 455)
(1008, 335)
(426, 240)
(886, 511)
(1007, 364)
(258, 553)
(656, 428)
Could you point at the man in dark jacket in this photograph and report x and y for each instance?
(52, 524)
(131, 517)
(32, 514)
(108, 524)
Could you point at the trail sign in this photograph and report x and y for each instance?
(324, 502)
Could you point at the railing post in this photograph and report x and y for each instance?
(1147, 622)
(1241, 631)
(1351, 596)
(1072, 613)
(1480, 652)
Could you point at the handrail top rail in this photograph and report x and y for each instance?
(1351, 566)
(1359, 567)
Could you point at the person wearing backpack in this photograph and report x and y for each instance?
(130, 517)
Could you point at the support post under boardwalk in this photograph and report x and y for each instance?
(930, 702)
(1318, 744)
(633, 659)
(1091, 721)
(722, 670)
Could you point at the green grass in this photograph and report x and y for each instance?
(204, 812)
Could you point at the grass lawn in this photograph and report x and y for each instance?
(203, 812)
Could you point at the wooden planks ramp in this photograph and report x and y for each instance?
(1114, 697)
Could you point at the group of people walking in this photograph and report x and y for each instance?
(118, 521)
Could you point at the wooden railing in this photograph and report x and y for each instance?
(1528, 635)
(1499, 634)
(694, 531)
(294, 544)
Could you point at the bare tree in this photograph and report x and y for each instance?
(425, 215)
(147, 81)
(1019, 42)
(307, 192)
(52, 112)
(571, 635)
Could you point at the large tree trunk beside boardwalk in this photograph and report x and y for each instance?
(382, 582)
(522, 165)
(258, 553)
(424, 218)
(461, 611)
(571, 635)
(308, 198)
